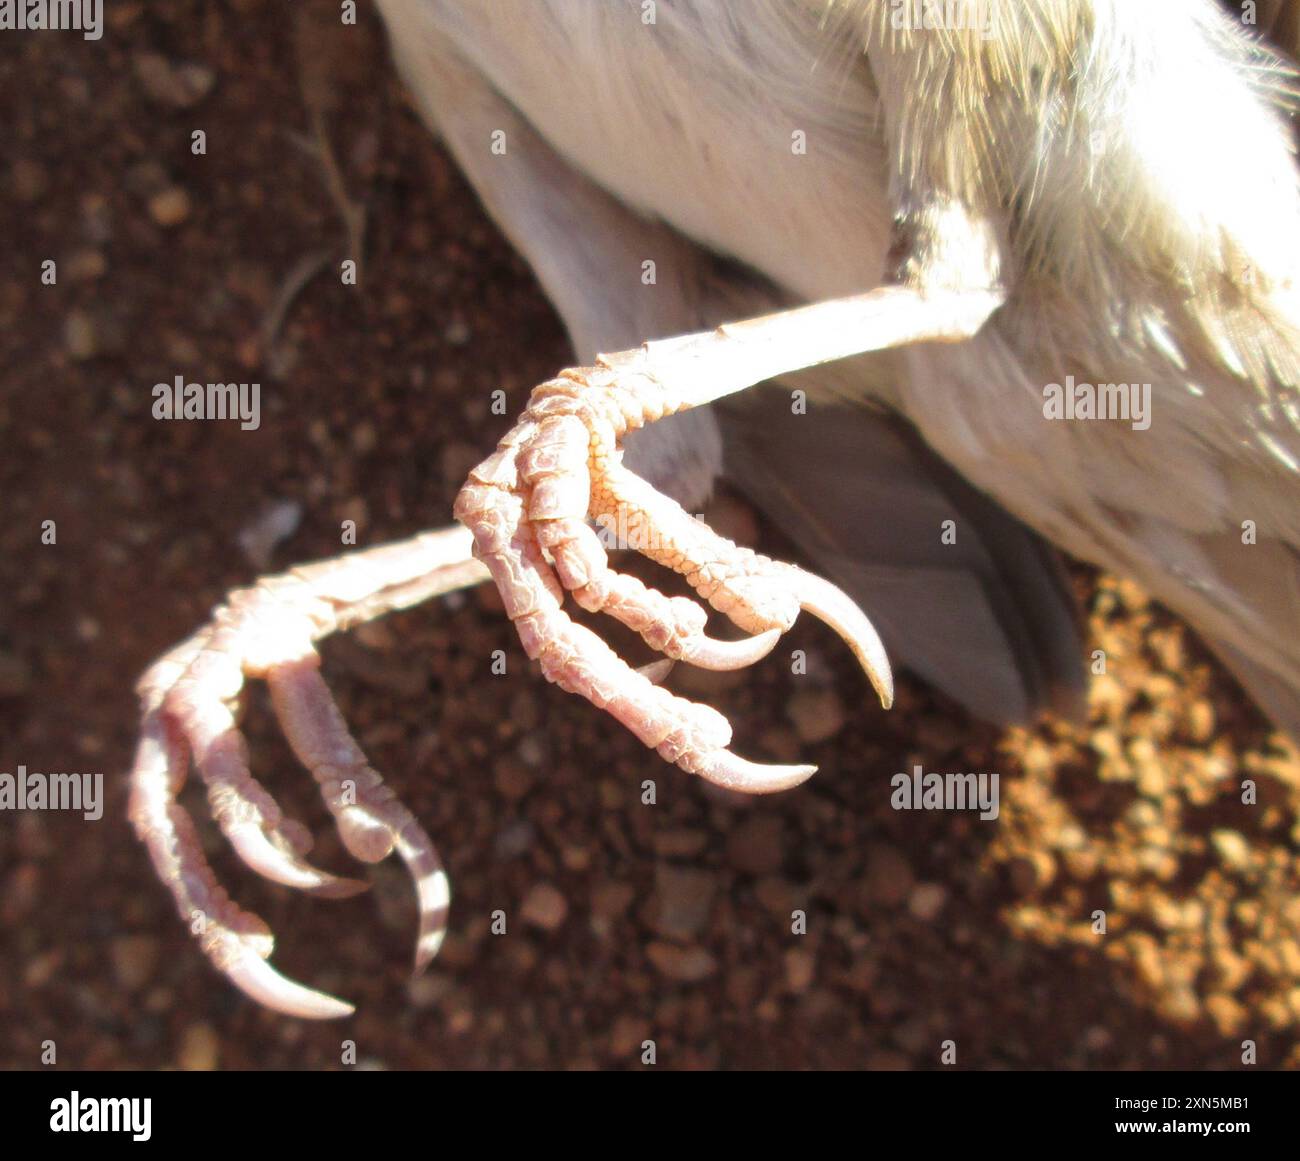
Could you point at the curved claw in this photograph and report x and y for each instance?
(835, 608)
(263, 983)
(710, 653)
(724, 768)
(273, 862)
(432, 891)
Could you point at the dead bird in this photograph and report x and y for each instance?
(933, 283)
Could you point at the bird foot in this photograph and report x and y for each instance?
(190, 701)
(527, 506)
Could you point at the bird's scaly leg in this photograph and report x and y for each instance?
(561, 464)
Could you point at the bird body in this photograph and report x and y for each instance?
(1132, 172)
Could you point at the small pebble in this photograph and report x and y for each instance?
(926, 900)
(545, 907)
(84, 265)
(79, 337)
(800, 968)
(1232, 849)
(684, 964)
(169, 207)
(1200, 721)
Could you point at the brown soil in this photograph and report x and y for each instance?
(626, 922)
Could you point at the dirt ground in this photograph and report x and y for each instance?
(626, 922)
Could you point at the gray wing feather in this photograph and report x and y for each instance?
(989, 619)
